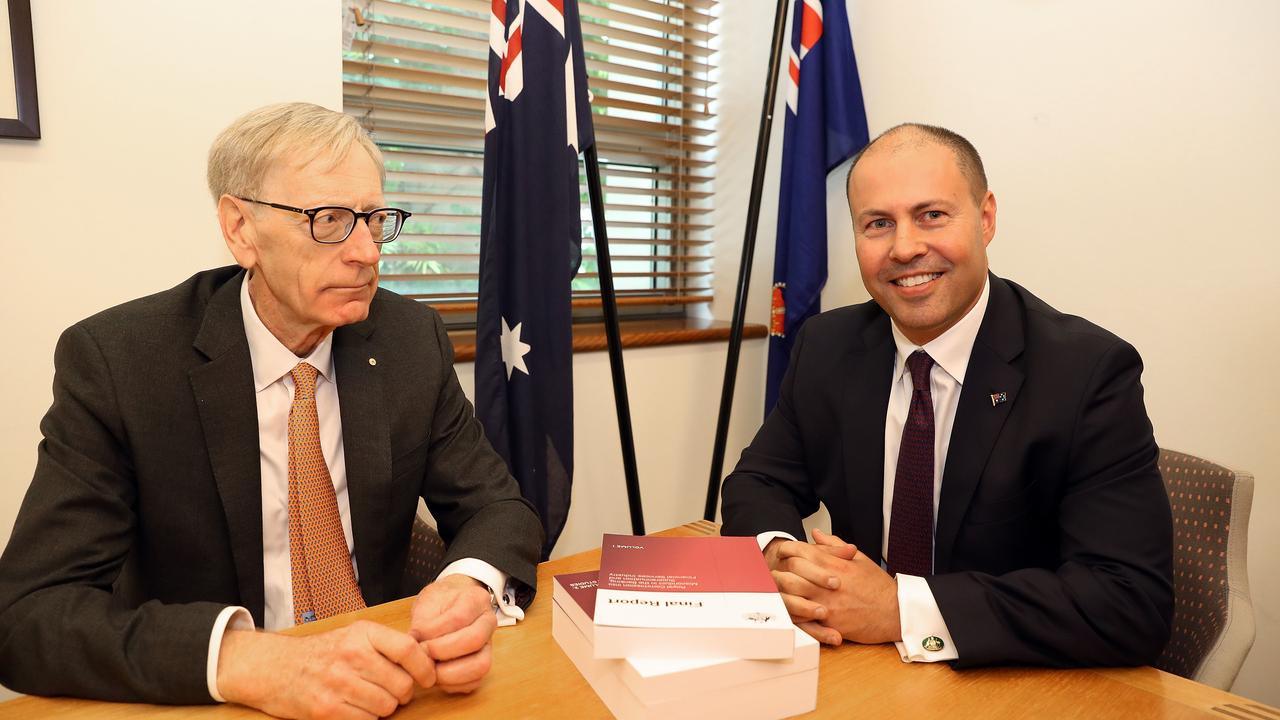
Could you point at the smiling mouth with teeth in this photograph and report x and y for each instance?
(913, 280)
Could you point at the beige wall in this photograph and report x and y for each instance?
(8, 91)
(1126, 145)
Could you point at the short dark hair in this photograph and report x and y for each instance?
(967, 157)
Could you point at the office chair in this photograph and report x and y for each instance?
(426, 557)
(1213, 625)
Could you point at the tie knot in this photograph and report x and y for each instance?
(919, 363)
(304, 377)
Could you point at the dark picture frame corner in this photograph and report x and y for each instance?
(27, 124)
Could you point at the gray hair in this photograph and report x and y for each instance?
(243, 153)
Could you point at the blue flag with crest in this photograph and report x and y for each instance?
(826, 124)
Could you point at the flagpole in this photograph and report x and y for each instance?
(608, 298)
(744, 269)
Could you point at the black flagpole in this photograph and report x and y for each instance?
(744, 270)
(608, 299)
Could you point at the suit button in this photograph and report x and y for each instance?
(933, 643)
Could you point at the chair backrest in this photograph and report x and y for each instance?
(426, 557)
(1213, 625)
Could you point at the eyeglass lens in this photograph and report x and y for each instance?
(333, 225)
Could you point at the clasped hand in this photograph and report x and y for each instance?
(833, 592)
(365, 670)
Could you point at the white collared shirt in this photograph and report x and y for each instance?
(273, 390)
(917, 609)
(950, 351)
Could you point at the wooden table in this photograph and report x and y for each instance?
(532, 678)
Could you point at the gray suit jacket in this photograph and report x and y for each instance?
(144, 518)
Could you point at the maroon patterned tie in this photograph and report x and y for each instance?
(911, 520)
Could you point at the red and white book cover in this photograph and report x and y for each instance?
(575, 593)
(688, 597)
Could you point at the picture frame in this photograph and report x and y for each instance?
(19, 108)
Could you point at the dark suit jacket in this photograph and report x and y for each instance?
(144, 518)
(1053, 543)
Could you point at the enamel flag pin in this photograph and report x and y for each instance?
(997, 398)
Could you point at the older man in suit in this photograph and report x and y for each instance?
(248, 449)
(988, 458)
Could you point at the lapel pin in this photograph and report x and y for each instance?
(997, 398)
(374, 361)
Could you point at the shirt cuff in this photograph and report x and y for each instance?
(924, 632)
(231, 618)
(499, 583)
(765, 538)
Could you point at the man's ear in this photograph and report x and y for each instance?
(988, 209)
(238, 230)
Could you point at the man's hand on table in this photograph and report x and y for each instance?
(363, 670)
(833, 592)
(453, 620)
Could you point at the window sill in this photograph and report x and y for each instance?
(590, 337)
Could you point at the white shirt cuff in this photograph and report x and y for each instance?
(505, 608)
(924, 633)
(231, 618)
(765, 538)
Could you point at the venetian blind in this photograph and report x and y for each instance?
(415, 77)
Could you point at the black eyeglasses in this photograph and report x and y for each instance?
(331, 224)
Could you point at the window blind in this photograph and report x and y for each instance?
(415, 76)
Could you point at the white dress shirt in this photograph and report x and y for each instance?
(273, 389)
(950, 352)
(917, 609)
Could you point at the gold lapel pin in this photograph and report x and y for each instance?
(373, 361)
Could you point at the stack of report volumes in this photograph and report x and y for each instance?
(684, 627)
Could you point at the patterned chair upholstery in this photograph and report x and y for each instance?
(426, 557)
(1212, 617)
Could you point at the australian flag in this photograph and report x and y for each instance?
(537, 120)
(826, 123)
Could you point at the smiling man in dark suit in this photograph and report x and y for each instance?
(249, 448)
(988, 459)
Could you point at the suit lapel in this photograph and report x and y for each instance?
(865, 403)
(366, 440)
(979, 419)
(223, 389)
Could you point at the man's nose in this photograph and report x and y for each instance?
(907, 245)
(360, 247)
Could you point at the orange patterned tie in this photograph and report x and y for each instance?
(324, 583)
